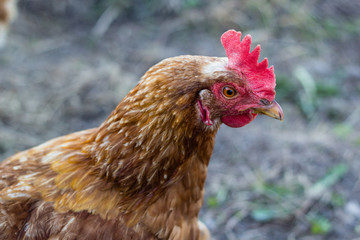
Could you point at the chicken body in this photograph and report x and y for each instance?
(139, 175)
(86, 185)
(35, 206)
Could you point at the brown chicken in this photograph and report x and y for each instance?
(141, 173)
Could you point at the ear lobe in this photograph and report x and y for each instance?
(202, 103)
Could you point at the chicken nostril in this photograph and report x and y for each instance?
(265, 102)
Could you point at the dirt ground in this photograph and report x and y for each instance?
(64, 69)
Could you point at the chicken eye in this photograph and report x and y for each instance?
(229, 92)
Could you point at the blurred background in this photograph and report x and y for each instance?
(67, 64)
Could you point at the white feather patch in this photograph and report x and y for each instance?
(215, 66)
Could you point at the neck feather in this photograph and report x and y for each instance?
(149, 141)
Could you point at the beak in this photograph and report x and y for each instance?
(273, 110)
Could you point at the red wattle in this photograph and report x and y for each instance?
(240, 120)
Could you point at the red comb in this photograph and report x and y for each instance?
(260, 78)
